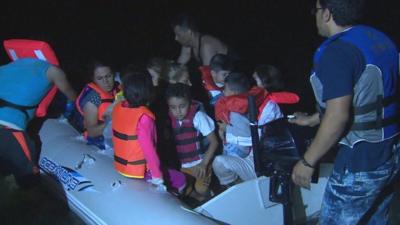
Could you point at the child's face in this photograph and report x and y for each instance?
(179, 107)
(219, 77)
(258, 80)
(228, 91)
(184, 79)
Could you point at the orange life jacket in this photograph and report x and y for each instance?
(24, 48)
(239, 103)
(206, 77)
(106, 99)
(128, 155)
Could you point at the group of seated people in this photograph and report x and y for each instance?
(154, 120)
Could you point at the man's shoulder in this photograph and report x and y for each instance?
(212, 41)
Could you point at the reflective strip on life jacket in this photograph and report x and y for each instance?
(24, 48)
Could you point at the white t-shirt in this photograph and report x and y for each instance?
(203, 124)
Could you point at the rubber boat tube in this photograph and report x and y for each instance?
(96, 192)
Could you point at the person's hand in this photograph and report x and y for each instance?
(200, 170)
(301, 175)
(300, 118)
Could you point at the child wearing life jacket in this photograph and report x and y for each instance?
(176, 73)
(189, 124)
(236, 163)
(134, 134)
(213, 76)
(93, 102)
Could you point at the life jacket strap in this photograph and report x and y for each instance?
(126, 162)
(107, 100)
(185, 155)
(124, 136)
(187, 141)
(22, 108)
(375, 124)
(377, 105)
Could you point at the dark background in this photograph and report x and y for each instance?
(277, 32)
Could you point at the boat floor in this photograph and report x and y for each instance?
(42, 207)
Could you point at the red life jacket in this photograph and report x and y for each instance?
(207, 79)
(24, 48)
(106, 99)
(239, 103)
(128, 155)
(187, 138)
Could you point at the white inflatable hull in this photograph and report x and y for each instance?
(97, 193)
(248, 203)
(100, 195)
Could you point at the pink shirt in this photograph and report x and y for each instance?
(147, 138)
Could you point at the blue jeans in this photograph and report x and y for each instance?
(360, 197)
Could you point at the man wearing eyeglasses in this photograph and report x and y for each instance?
(354, 79)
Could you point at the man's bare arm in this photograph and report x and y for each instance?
(58, 77)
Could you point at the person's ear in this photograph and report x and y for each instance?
(326, 15)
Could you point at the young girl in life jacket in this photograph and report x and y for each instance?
(134, 134)
(189, 125)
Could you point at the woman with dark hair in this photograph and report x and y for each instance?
(93, 102)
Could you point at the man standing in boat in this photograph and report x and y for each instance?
(23, 85)
(355, 84)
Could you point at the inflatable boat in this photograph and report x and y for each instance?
(96, 191)
(86, 176)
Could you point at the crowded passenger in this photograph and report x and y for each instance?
(220, 66)
(94, 101)
(354, 78)
(17, 107)
(134, 134)
(194, 44)
(194, 137)
(176, 73)
(236, 164)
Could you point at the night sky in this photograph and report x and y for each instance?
(277, 32)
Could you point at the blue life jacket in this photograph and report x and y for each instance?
(374, 115)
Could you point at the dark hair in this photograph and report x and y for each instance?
(178, 90)
(94, 64)
(221, 62)
(238, 82)
(185, 21)
(157, 64)
(345, 12)
(137, 88)
(271, 77)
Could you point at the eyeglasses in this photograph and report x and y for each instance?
(314, 11)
